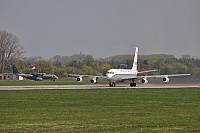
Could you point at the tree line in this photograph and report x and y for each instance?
(11, 52)
(86, 64)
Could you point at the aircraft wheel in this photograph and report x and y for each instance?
(133, 84)
(112, 84)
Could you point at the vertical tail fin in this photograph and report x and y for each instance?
(15, 71)
(134, 67)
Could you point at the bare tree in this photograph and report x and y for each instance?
(10, 49)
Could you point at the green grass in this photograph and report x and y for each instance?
(101, 110)
(46, 82)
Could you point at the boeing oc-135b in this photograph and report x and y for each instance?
(35, 76)
(120, 75)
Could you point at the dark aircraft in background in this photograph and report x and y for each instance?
(35, 76)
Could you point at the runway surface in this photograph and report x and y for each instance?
(98, 86)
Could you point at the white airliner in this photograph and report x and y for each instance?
(120, 75)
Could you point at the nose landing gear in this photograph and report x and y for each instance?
(112, 84)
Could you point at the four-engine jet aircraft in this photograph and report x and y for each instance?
(120, 75)
(35, 76)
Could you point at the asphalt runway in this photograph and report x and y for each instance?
(97, 86)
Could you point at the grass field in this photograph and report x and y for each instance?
(46, 82)
(101, 110)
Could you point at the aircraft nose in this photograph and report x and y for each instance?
(56, 77)
(108, 75)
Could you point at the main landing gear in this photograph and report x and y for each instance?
(112, 84)
(132, 84)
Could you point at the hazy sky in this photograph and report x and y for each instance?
(103, 27)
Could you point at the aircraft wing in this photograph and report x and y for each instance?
(93, 78)
(147, 71)
(128, 77)
(87, 76)
(38, 74)
(161, 76)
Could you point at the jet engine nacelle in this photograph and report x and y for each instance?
(93, 81)
(79, 79)
(165, 79)
(144, 81)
